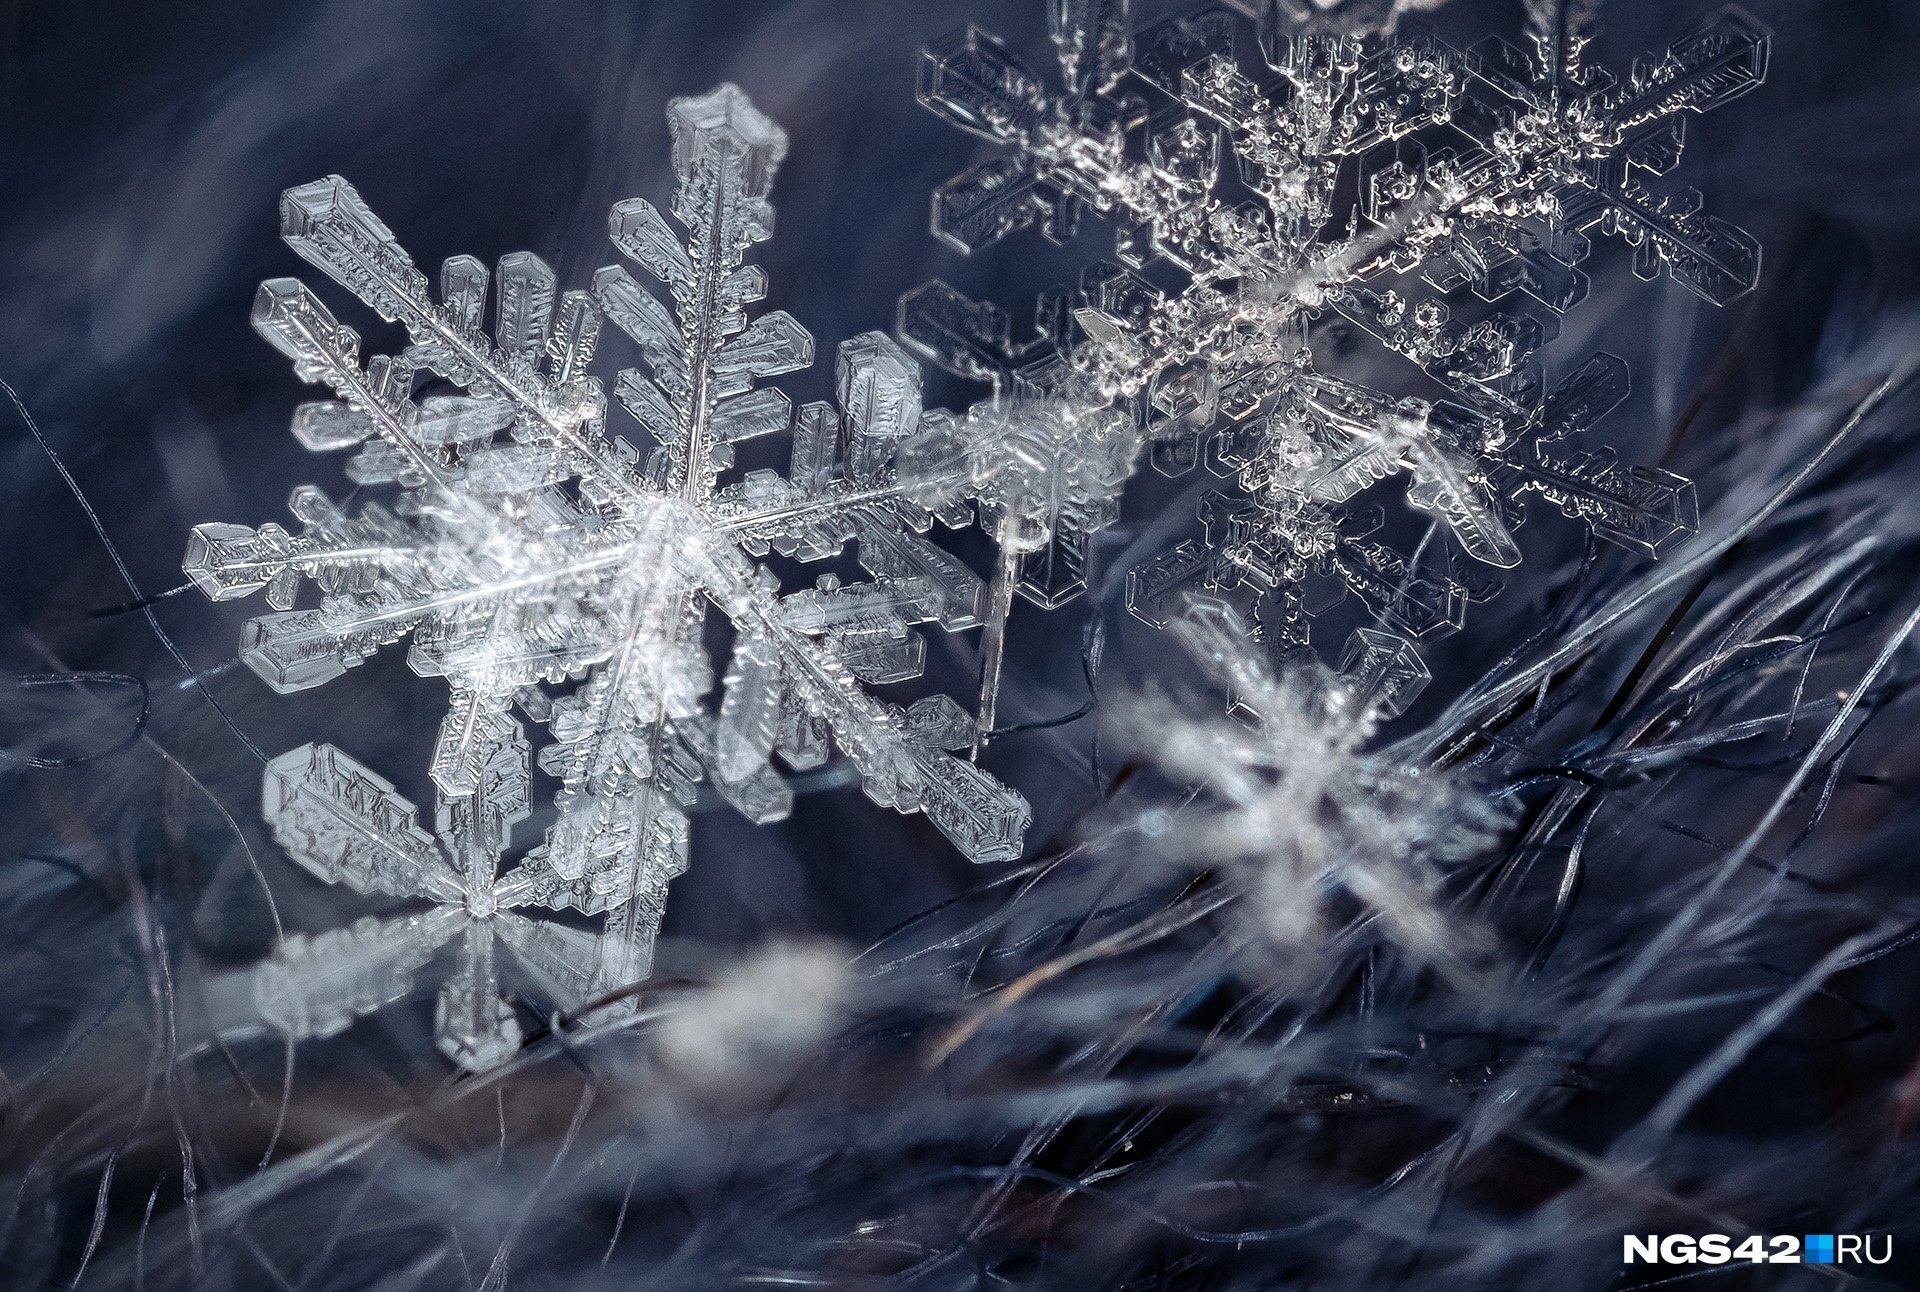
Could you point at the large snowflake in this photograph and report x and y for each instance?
(539, 563)
(1349, 179)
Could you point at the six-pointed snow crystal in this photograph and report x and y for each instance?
(541, 564)
(1347, 180)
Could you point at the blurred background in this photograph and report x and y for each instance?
(142, 151)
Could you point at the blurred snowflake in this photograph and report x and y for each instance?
(1288, 802)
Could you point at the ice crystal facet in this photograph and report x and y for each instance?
(538, 562)
(1354, 180)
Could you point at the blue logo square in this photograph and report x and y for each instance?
(1817, 1249)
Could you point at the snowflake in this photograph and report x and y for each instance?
(1292, 808)
(1354, 180)
(348, 826)
(537, 561)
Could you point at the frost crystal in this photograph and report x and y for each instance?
(1289, 800)
(537, 561)
(1349, 182)
(348, 826)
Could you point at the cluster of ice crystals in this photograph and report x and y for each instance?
(537, 562)
(1350, 179)
(1354, 178)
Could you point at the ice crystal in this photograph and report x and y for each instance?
(1291, 801)
(539, 562)
(1354, 179)
(349, 826)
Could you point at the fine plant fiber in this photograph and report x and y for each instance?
(1619, 935)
